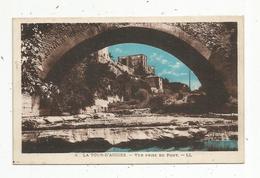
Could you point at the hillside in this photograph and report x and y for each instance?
(89, 80)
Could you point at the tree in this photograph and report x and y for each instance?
(98, 78)
(31, 58)
(110, 55)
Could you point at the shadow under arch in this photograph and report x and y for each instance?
(210, 79)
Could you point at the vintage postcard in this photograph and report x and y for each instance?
(128, 90)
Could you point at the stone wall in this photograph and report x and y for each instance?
(135, 62)
(103, 56)
(155, 83)
(62, 42)
(30, 105)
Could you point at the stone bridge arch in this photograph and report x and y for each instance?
(74, 45)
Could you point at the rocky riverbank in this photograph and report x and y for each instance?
(64, 133)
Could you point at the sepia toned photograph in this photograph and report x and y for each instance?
(128, 90)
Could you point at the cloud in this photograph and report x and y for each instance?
(176, 65)
(195, 84)
(153, 55)
(164, 61)
(118, 50)
(171, 72)
(161, 59)
(158, 58)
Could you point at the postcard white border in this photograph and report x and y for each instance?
(130, 158)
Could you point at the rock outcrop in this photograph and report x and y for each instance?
(85, 133)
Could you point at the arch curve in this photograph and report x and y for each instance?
(173, 40)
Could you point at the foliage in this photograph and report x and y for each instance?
(99, 78)
(156, 103)
(72, 98)
(174, 87)
(85, 81)
(31, 62)
(128, 87)
(90, 79)
(120, 85)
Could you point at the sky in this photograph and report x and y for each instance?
(165, 64)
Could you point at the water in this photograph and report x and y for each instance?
(207, 145)
(62, 147)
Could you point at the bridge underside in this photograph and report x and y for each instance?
(210, 78)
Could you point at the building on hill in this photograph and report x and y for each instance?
(139, 64)
(124, 68)
(155, 83)
(101, 105)
(101, 56)
(137, 61)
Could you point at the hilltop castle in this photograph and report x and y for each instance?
(137, 62)
(135, 65)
